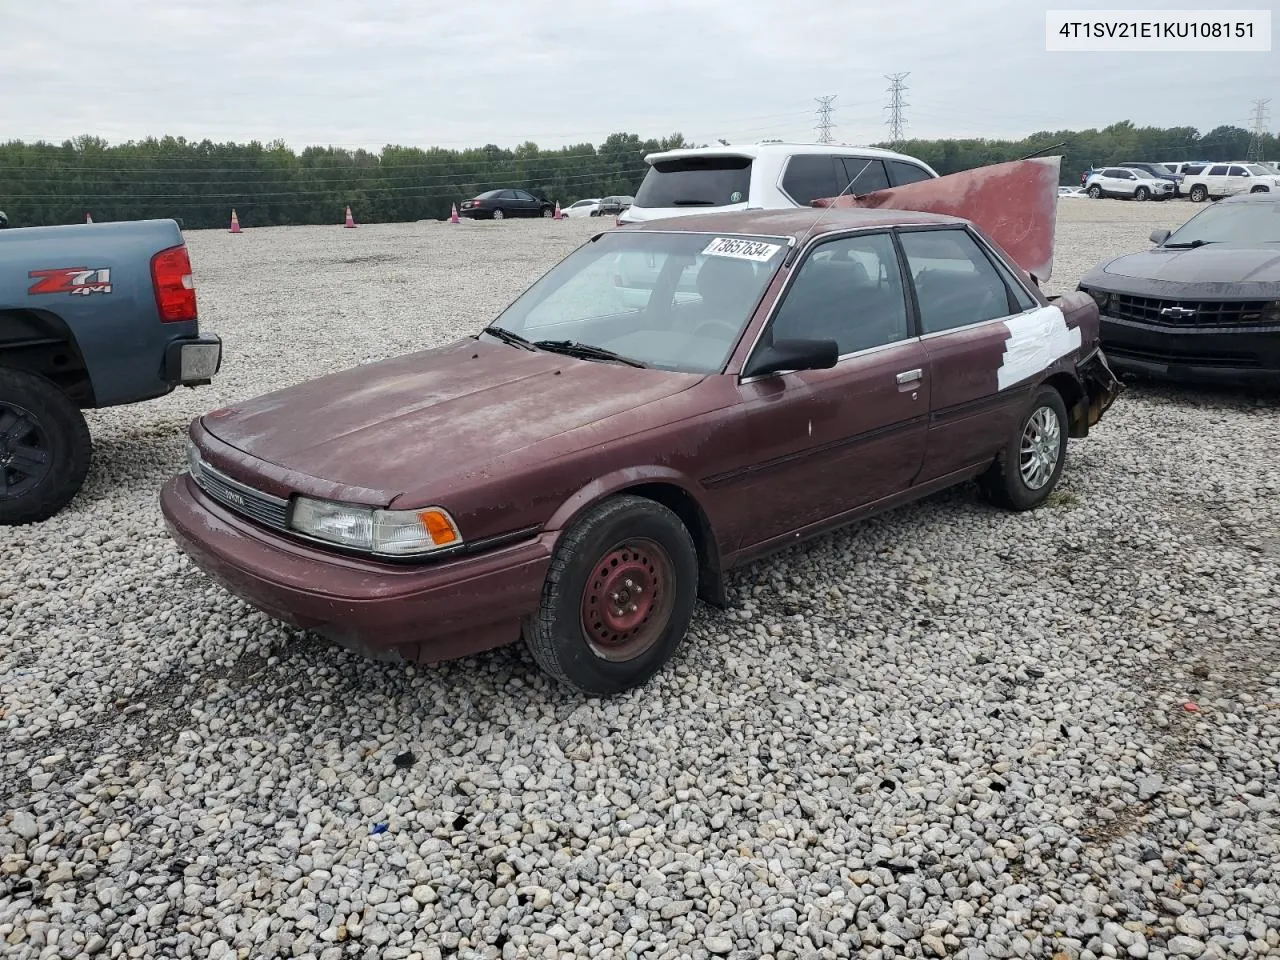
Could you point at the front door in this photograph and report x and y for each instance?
(824, 442)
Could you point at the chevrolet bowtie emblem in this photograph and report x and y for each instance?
(1177, 313)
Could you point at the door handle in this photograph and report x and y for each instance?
(910, 376)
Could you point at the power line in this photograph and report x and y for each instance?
(1260, 117)
(824, 118)
(896, 121)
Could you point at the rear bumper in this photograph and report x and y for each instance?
(428, 612)
(193, 361)
(1193, 354)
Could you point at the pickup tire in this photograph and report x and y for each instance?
(44, 448)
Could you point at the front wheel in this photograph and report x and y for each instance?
(1199, 193)
(548, 212)
(1095, 192)
(1259, 190)
(498, 215)
(1027, 469)
(618, 597)
(44, 448)
(1141, 193)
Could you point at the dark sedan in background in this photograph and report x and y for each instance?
(1204, 303)
(498, 204)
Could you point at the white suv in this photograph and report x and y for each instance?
(1127, 182)
(1228, 179)
(764, 176)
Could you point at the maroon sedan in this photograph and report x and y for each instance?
(671, 400)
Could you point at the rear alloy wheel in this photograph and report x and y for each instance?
(1141, 193)
(498, 215)
(1027, 469)
(1199, 193)
(1095, 192)
(44, 448)
(618, 597)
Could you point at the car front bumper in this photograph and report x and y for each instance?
(426, 612)
(1210, 355)
(193, 361)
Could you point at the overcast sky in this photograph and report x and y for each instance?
(424, 73)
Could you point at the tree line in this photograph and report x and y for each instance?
(200, 182)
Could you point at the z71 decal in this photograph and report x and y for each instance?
(80, 281)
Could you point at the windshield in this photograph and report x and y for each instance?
(676, 301)
(696, 182)
(1258, 170)
(1246, 222)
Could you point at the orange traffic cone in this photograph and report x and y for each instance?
(559, 215)
(88, 218)
(235, 222)
(453, 217)
(350, 224)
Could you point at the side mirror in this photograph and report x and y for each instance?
(1160, 236)
(793, 355)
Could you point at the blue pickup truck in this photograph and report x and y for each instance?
(91, 315)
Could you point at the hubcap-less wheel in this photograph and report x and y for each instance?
(1040, 448)
(25, 457)
(627, 600)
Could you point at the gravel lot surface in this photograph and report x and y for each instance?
(948, 732)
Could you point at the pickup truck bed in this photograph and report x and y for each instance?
(91, 315)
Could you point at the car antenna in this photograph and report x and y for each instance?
(818, 219)
(1037, 153)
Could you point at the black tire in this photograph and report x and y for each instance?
(1260, 190)
(38, 420)
(499, 215)
(594, 213)
(623, 537)
(548, 212)
(1142, 193)
(1199, 193)
(1004, 483)
(1095, 192)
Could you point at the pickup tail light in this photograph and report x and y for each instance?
(174, 285)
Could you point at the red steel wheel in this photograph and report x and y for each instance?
(627, 600)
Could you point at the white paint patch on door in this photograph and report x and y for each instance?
(1037, 340)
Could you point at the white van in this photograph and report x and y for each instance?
(765, 176)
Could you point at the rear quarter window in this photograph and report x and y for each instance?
(696, 182)
(901, 173)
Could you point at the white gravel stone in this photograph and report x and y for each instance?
(946, 732)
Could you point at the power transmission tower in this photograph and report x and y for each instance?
(896, 103)
(1260, 117)
(825, 125)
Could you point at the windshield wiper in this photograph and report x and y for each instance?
(507, 336)
(584, 351)
(1189, 245)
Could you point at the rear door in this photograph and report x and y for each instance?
(863, 175)
(963, 297)
(825, 442)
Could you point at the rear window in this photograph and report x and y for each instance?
(695, 182)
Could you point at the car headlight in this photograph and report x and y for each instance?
(1100, 297)
(193, 460)
(1271, 313)
(392, 533)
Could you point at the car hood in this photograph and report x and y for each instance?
(388, 426)
(1207, 264)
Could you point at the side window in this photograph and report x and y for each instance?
(810, 176)
(848, 290)
(1191, 171)
(1237, 172)
(865, 173)
(955, 283)
(901, 173)
(523, 195)
(1218, 171)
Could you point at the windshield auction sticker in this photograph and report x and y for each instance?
(741, 249)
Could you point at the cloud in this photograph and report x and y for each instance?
(557, 71)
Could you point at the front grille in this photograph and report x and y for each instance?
(1195, 357)
(254, 504)
(1208, 313)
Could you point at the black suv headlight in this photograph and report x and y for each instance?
(1100, 297)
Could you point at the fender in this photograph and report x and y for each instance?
(688, 505)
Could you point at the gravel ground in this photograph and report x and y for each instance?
(947, 732)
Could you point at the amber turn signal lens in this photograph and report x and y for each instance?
(438, 526)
